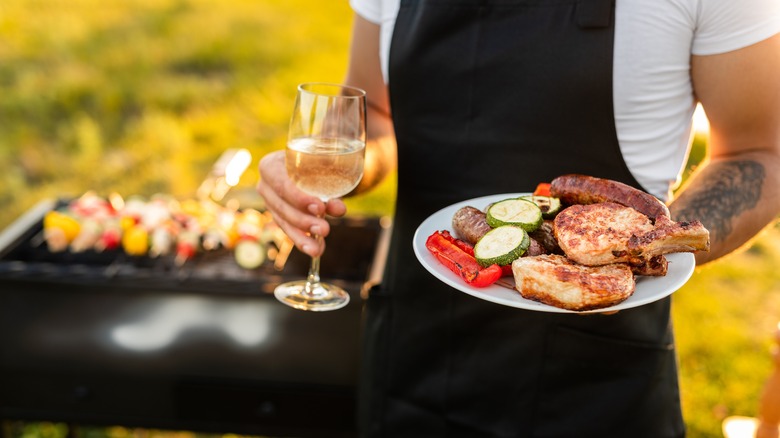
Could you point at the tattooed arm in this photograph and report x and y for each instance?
(736, 192)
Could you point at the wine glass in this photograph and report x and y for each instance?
(324, 157)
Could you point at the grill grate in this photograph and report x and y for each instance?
(349, 258)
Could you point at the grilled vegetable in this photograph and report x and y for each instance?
(135, 241)
(549, 205)
(542, 189)
(501, 246)
(462, 244)
(111, 237)
(63, 221)
(187, 245)
(90, 233)
(515, 211)
(461, 262)
(469, 249)
(249, 253)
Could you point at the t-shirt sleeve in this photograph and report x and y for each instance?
(370, 10)
(726, 25)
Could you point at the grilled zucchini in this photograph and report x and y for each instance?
(549, 205)
(519, 212)
(501, 245)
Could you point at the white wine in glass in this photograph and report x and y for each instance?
(325, 152)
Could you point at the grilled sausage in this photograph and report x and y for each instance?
(535, 248)
(583, 189)
(469, 224)
(545, 236)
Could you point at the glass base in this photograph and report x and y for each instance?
(322, 298)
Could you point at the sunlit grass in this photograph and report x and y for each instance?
(142, 96)
(725, 318)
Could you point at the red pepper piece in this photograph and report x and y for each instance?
(453, 257)
(465, 246)
(542, 189)
(487, 276)
(461, 262)
(506, 271)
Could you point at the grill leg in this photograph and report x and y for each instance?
(73, 431)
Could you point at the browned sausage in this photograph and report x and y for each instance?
(583, 189)
(469, 224)
(545, 236)
(535, 248)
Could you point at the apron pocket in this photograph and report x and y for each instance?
(596, 386)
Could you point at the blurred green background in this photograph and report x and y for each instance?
(142, 96)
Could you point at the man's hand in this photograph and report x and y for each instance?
(301, 216)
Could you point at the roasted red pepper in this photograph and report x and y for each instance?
(506, 270)
(542, 189)
(468, 248)
(465, 246)
(487, 276)
(459, 261)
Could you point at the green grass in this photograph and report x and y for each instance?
(142, 96)
(724, 319)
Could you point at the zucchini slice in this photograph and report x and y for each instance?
(501, 245)
(515, 211)
(549, 205)
(249, 253)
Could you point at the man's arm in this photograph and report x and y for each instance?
(736, 191)
(364, 71)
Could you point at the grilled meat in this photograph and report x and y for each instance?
(470, 224)
(545, 235)
(656, 266)
(583, 189)
(605, 233)
(557, 281)
(535, 248)
(668, 236)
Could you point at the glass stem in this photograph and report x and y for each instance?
(313, 279)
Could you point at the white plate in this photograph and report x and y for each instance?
(648, 289)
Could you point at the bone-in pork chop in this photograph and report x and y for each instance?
(605, 233)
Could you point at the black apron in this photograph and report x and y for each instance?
(494, 97)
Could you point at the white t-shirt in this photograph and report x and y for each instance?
(653, 97)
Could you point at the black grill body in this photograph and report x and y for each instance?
(107, 339)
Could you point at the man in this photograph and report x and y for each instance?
(496, 96)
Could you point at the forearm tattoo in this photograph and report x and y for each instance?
(732, 190)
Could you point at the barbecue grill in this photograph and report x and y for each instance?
(103, 338)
